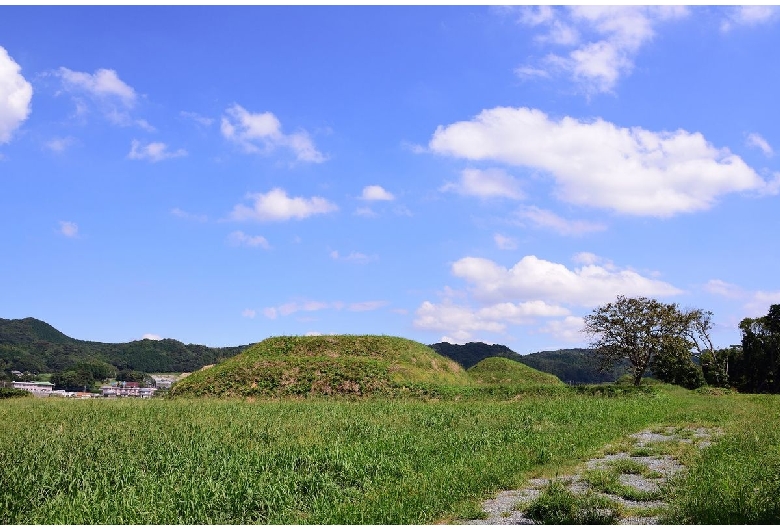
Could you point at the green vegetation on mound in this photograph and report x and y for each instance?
(503, 371)
(351, 365)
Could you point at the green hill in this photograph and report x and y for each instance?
(325, 365)
(503, 371)
(31, 345)
(573, 366)
(467, 355)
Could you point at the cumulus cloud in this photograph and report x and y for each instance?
(756, 140)
(240, 239)
(504, 242)
(376, 193)
(151, 336)
(568, 329)
(536, 294)
(547, 219)
(461, 321)
(113, 97)
(603, 41)
(249, 313)
(103, 83)
(277, 206)
(69, 229)
(596, 163)
(532, 278)
(485, 183)
(15, 96)
(153, 152)
(748, 16)
(354, 257)
(262, 133)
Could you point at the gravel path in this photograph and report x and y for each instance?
(506, 507)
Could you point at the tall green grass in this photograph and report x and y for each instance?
(308, 461)
(737, 480)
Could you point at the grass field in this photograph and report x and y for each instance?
(351, 461)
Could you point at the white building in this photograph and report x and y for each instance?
(38, 388)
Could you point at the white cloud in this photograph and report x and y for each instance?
(313, 334)
(59, 145)
(628, 170)
(568, 329)
(462, 321)
(197, 118)
(749, 16)
(596, 65)
(536, 294)
(721, 288)
(15, 96)
(504, 242)
(181, 214)
(376, 193)
(240, 239)
(485, 183)
(277, 206)
(759, 302)
(153, 152)
(547, 219)
(756, 140)
(151, 336)
(532, 278)
(372, 305)
(365, 212)
(402, 211)
(69, 229)
(755, 303)
(112, 96)
(103, 83)
(249, 313)
(262, 133)
(291, 308)
(354, 257)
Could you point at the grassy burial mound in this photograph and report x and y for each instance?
(352, 365)
(503, 371)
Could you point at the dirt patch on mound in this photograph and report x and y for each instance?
(627, 485)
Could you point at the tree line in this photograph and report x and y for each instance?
(675, 344)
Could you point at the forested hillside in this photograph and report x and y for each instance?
(573, 366)
(31, 345)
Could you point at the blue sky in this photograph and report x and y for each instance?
(222, 175)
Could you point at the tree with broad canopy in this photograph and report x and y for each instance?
(644, 332)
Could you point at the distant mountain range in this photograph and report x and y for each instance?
(573, 366)
(31, 345)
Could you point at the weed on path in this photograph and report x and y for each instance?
(628, 484)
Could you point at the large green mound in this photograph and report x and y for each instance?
(502, 371)
(325, 365)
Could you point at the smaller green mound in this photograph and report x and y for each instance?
(503, 371)
(354, 365)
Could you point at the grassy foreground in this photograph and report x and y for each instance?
(337, 461)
